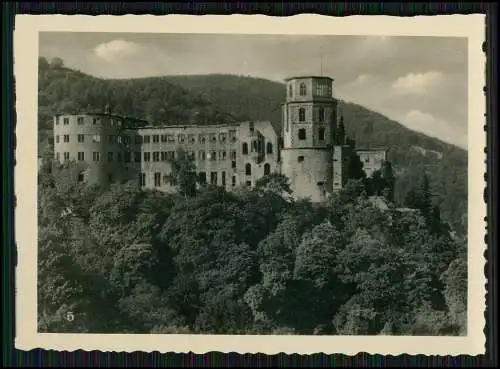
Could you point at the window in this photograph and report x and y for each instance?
(267, 169)
(138, 139)
(96, 156)
(302, 134)
(254, 146)
(201, 155)
(156, 139)
(302, 114)
(248, 169)
(57, 139)
(290, 90)
(142, 179)
(147, 156)
(57, 121)
(79, 120)
(110, 156)
(66, 121)
(213, 178)
(126, 139)
(233, 164)
(321, 114)
(96, 138)
(57, 156)
(201, 138)
(321, 133)
(224, 179)
(191, 138)
(156, 156)
(245, 148)
(170, 155)
(213, 137)
(137, 156)
(157, 179)
(222, 155)
(249, 183)
(222, 137)
(300, 159)
(163, 138)
(213, 155)
(202, 178)
(66, 138)
(95, 120)
(163, 156)
(269, 148)
(111, 139)
(81, 138)
(233, 183)
(81, 156)
(232, 135)
(146, 139)
(303, 89)
(80, 177)
(66, 156)
(126, 157)
(181, 138)
(233, 155)
(170, 138)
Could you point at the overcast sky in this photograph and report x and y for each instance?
(419, 81)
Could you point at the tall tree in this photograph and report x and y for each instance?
(184, 173)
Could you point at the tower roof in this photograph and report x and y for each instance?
(311, 76)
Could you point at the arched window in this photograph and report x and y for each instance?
(245, 148)
(248, 169)
(321, 114)
(267, 169)
(269, 148)
(321, 133)
(290, 90)
(302, 114)
(303, 89)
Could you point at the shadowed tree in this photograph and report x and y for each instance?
(184, 173)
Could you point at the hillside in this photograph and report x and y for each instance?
(222, 98)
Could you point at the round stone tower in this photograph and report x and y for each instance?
(101, 144)
(309, 125)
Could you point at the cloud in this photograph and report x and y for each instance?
(431, 125)
(417, 83)
(116, 50)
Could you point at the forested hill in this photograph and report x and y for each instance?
(226, 98)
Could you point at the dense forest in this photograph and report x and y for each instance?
(253, 261)
(225, 98)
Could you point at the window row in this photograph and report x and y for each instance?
(256, 147)
(303, 136)
(190, 138)
(112, 139)
(161, 178)
(95, 120)
(126, 157)
(321, 115)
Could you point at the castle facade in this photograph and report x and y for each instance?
(311, 149)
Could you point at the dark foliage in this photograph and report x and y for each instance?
(249, 262)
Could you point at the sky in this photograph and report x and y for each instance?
(421, 82)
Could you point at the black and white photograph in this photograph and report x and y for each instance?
(265, 185)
